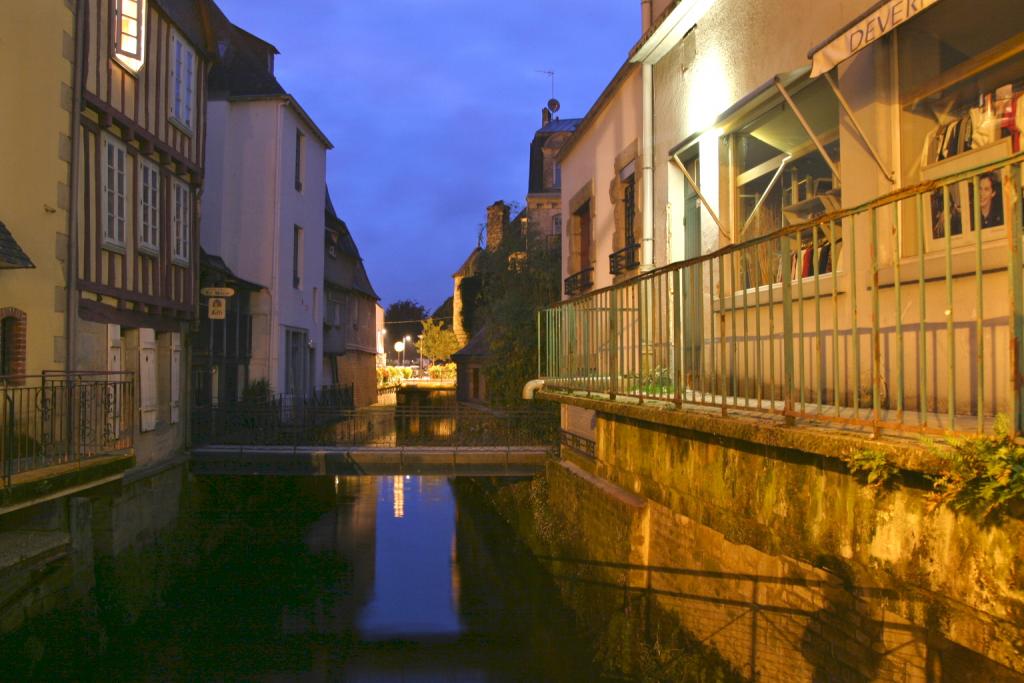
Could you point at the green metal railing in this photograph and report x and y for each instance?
(904, 313)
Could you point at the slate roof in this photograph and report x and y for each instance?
(11, 254)
(471, 266)
(360, 280)
(479, 346)
(211, 263)
(560, 126)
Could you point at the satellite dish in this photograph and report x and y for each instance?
(553, 105)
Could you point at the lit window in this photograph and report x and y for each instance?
(181, 222)
(129, 28)
(182, 81)
(149, 207)
(114, 197)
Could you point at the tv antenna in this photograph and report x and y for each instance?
(550, 74)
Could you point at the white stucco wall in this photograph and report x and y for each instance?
(250, 208)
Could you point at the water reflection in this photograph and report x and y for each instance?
(361, 579)
(413, 596)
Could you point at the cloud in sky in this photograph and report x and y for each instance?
(431, 106)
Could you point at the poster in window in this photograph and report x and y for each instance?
(993, 193)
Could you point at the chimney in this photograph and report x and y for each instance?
(497, 219)
(545, 117)
(645, 16)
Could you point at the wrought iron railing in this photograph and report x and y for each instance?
(625, 259)
(578, 443)
(282, 412)
(60, 418)
(904, 313)
(454, 426)
(579, 282)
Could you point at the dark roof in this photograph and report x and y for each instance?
(445, 310)
(470, 267)
(243, 69)
(338, 232)
(193, 19)
(213, 265)
(560, 126)
(479, 346)
(11, 255)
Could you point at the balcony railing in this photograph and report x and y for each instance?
(579, 282)
(60, 418)
(625, 259)
(905, 313)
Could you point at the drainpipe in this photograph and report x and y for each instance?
(531, 388)
(71, 263)
(647, 178)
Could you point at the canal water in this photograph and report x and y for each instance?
(360, 579)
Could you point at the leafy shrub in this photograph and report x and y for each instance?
(981, 474)
(875, 465)
(442, 371)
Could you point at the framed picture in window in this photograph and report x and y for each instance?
(992, 193)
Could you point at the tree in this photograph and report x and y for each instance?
(403, 319)
(519, 278)
(437, 342)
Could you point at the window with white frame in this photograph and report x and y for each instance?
(181, 222)
(149, 207)
(115, 209)
(182, 81)
(129, 33)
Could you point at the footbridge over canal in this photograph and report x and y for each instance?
(448, 440)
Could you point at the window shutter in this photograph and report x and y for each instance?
(113, 365)
(114, 348)
(175, 377)
(147, 379)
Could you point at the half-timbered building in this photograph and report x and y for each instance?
(141, 154)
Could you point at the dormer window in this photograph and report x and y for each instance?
(129, 33)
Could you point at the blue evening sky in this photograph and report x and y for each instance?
(431, 106)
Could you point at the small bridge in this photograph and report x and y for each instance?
(449, 440)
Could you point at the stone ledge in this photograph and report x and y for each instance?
(908, 453)
(49, 483)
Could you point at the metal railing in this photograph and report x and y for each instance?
(59, 418)
(283, 413)
(904, 313)
(402, 426)
(579, 282)
(627, 258)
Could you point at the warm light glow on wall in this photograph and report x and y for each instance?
(709, 79)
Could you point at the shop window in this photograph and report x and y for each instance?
(781, 178)
(961, 91)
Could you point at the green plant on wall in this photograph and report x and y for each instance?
(874, 465)
(981, 475)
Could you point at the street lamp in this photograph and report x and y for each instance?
(405, 340)
(400, 348)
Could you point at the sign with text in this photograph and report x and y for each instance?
(866, 31)
(216, 308)
(217, 291)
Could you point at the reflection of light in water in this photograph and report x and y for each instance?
(398, 490)
(337, 480)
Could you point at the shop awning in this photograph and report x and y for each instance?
(863, 31)
(11, 254)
